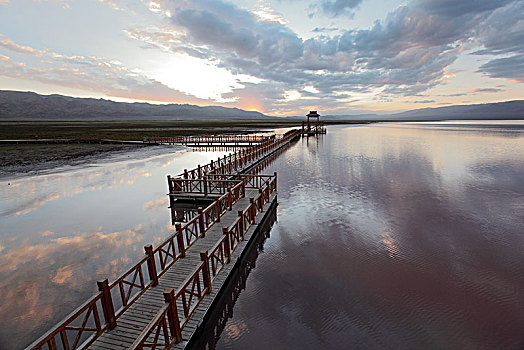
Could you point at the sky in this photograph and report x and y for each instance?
(279, 57)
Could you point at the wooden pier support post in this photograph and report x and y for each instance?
(207, 274)
(261, 200)
(242, 228)
(169, 184)
(227, 243)
(172, 314)
(205, 185)
(180, 240)
(107, 303)
(201, 222)
(199, 171)
(230, 199)
(253, 209)
(151, 265)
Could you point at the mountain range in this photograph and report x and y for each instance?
(17, 105)
(499, 110)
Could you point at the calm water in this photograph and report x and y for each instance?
(388, 236)
(405, 236)
(61, 232)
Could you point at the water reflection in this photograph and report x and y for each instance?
(392, 236)
(217, 321)
(61, 232)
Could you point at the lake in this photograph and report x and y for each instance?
(405, 235)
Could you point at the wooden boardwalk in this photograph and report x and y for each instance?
(163, 299)
(131, 324)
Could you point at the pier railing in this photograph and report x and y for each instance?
(85, 324)
(207, 139)
(199, 283)
(233, 162)
(80, 328)
(217, 184)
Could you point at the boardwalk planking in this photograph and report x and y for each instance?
(137, 317)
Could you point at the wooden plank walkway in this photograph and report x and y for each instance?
(195, 261)
(135, 319)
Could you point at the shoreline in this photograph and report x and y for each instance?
(21, 160)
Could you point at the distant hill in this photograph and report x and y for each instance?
(500, 110)
(15, 105)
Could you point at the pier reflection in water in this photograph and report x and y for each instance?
(215, 323)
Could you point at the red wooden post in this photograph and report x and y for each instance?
(207, 274)
(172, 314)
(241, 228)
(151, 265)
(169, 184)
(261, 200)
(205, 185)
(227, 248)
(107, 303)
(252, 206)
(219, 209)
(230, 198)
(275, 174)
(199, 171)
(201, 222)
(180, 240)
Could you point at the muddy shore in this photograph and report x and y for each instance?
(26, 159)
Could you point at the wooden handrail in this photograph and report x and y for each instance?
(82, 326)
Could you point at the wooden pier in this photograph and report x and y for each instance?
(163, 299)
(210, 141)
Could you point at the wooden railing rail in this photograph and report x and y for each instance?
(192, 292)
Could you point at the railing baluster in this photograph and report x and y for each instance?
(180, 240)
(207, 276)
(151, 265)
(227, 246)
(107, 303)
(172, 315)
(201, 223)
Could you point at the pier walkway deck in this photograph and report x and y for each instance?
(162, 300)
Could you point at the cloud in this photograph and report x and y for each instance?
(336, 8)
(10, 45)
(425, 101)
(508, 67)
(91, 74)
(503, 34)
(408, 52)
(488, 90)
